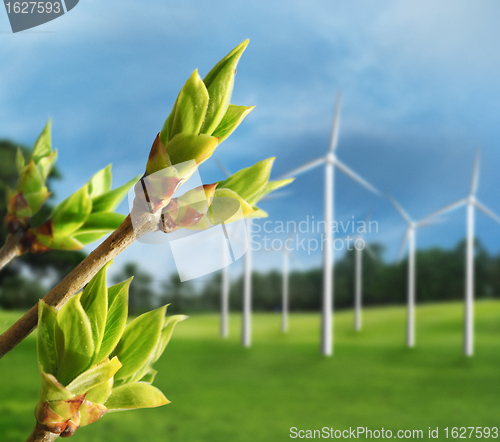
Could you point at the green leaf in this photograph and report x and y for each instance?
(232, 119)
(46, 164)
(249, 181)
(109, 201)
(37, 200)
(158, 158)
(225, 207)
(20, 161)
(101, 222)
(271, 186)
(94, 376)
(166, 334)
(149, 377)
(219, 82)
(30, 180)
(189, 109)
(74, 344)
(99, 394)
(136, 395)
(100, 182)
(45, 338)
(185, 147)
(52, 390)
(43, 144)
(62, 242)
(70, 214)
(87, 238)
(116, 317)
(138, 342)
(94, 301)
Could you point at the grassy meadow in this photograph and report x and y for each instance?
(223, 392)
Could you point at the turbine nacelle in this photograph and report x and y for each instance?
(330, 158)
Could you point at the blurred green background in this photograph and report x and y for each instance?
(223, 392)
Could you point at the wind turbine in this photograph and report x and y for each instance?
(358, 276)
(287, 254)
(410, 237)
(471, 202)
(246, 332)
(224, 324)
(329, 160)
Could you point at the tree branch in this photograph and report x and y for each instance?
(116, 243)
(11, 249)
(40, 435)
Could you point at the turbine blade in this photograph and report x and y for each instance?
(371, 252)
(403, 246)
(368, 216)
(224, 169)
(445, 209)
(336, 124)
(301, 169)
(487, 211)
(356, 177)
(475, 173)
(400, 210)
(429, 221)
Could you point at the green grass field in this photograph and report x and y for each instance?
(222, 392)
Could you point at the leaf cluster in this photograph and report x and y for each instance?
(80, 219)
(224, 202)
(85, 216)
(91, 362)
(201, 118)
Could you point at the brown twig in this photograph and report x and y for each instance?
(40, 435)
(116, 243)
(11, 249)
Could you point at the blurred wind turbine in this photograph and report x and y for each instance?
(358, 274)
(410, 237)
(358, 294)
(287, 254)
(246, 332)
(224, 325)
(329, 160)
(471, 202)
(247, 285)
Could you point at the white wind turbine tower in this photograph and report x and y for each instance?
(247, 285)
(224, 325)
(410, 237)
(471, 202)
(329, 160)
(246, 332)
(287, 254)
(358, 276)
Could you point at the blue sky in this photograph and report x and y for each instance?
(419, 82)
